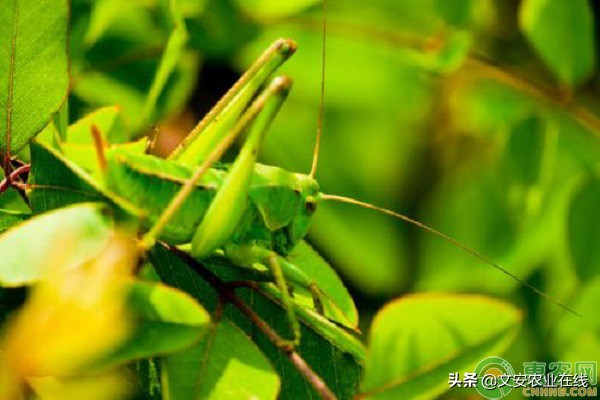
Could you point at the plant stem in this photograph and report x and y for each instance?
(482, 67)
(226, 292)
(486, 69)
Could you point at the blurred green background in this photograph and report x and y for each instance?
(477, 117)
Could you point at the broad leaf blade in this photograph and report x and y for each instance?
(575, 338)
(109, 120)
(167, 320)
(224, 365)
(101, 16)
(562, 32)
(416, 341)
(168, 63)
(11, 218)
(27, 248)
(33, 67)
(267, 9)
(583, 230)
(343, 367)
(339, 305)
(11, 201)
(58, 182)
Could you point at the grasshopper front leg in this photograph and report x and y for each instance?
(212, 129)
(215, 133)
(226, 210)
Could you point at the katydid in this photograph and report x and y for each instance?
(251, 213)
(254, 213)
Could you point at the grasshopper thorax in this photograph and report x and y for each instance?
(284, 204)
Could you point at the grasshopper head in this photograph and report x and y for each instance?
(286, 203)
(308, 188)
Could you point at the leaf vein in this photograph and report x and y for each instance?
(9, 95)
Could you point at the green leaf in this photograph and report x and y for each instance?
(416, 341)
(272, 9)
(146, 378)
(525, 150)
(336, 231)
(343, 367)
(10, 218)
(60, 119)
(86, 156)
(101, 16)
(339, 305)
(80, 147)
(11, 200)
(108, 120)
(99, 89)
(490, 106)
(58, 182)
(33, 71)
(457, 13)
(226, 364)
(584, 228)
(168, 63)
(28, 249)
(50, 135)
(576, 338)
(137, 59)
(562, 33)
(166, 320)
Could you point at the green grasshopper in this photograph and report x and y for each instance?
(249, 212)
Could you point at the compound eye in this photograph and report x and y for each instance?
(311, 206)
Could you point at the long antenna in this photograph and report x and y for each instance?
(452, 241)
(315, 161)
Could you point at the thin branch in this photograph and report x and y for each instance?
(482, 66)
(15, 180)
(226, 292)
(359, 31)
(4, 185)
(485, 68)
(22, 170)
(10, 92)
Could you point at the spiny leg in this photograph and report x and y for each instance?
(221, 118)
(222, 125)
(227, 208)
